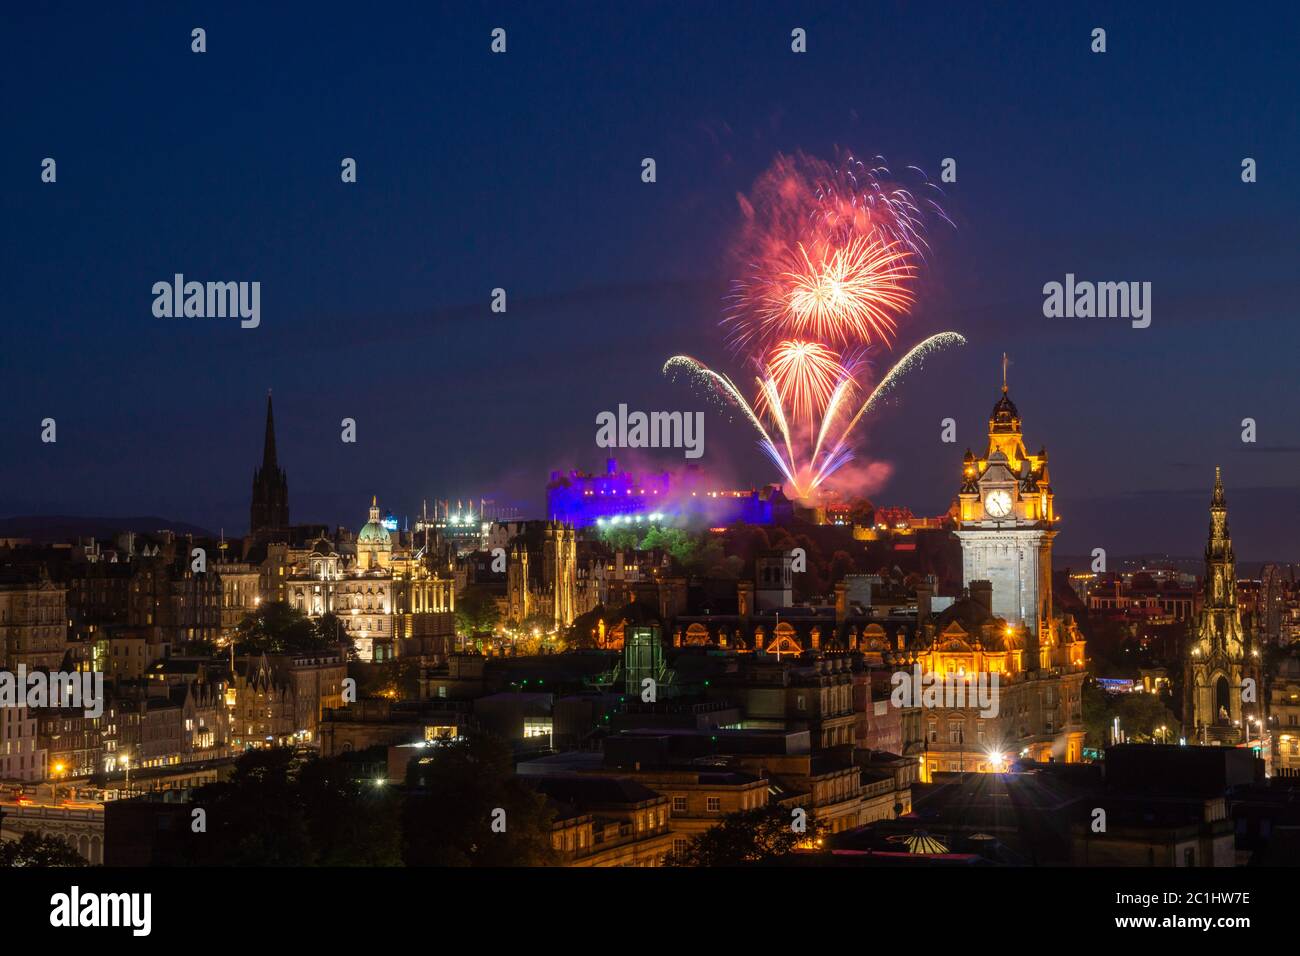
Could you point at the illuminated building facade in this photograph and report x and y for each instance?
(1007, 522)
(1284, 718)
(1003, 625)
(33, 621)
(21, 757)
(388, 598)
(1217, 661)
(542, 574)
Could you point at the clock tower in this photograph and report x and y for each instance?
(1006, 522)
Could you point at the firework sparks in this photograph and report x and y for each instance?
(828, 254)
(849, 294)
(833, 447)
(805, 375)
(914, 359)
(856, 199)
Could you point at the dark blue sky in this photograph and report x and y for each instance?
(522, 171)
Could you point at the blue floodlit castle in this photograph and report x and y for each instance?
(621, 497)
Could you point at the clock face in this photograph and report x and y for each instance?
(998, 503)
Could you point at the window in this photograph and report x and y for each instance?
(679, 804)
(714, 804)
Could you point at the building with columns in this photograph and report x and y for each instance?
(390, 597)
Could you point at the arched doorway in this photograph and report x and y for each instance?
(1222, 700)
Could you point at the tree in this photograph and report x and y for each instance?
(1098, 714)
(350, 821)
(284, 808)
(455, 799)
(538, 622)
(36, 850)
(330, 632)
(682, 546)
(585, 630)
(278, 628)
(1142, 715)
(760, 835)
(476, 610)
(256, 818)
(621, 537)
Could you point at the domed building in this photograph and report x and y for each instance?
(389, 597)
(374, 542)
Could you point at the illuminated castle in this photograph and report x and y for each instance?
(618, 497)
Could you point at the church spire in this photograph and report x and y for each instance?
(270, 505)
(268, 444)
(1221, 575)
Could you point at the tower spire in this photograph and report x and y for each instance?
(1004, 373)
(270, 505)
(268, 445)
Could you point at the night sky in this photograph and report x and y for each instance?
(523, 171)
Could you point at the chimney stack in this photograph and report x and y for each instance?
(924, 594)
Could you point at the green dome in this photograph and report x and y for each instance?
(374, 533)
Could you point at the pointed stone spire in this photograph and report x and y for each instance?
(269, 464)
(270, 505)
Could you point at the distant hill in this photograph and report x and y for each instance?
(1190, 565)
(51, 529)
